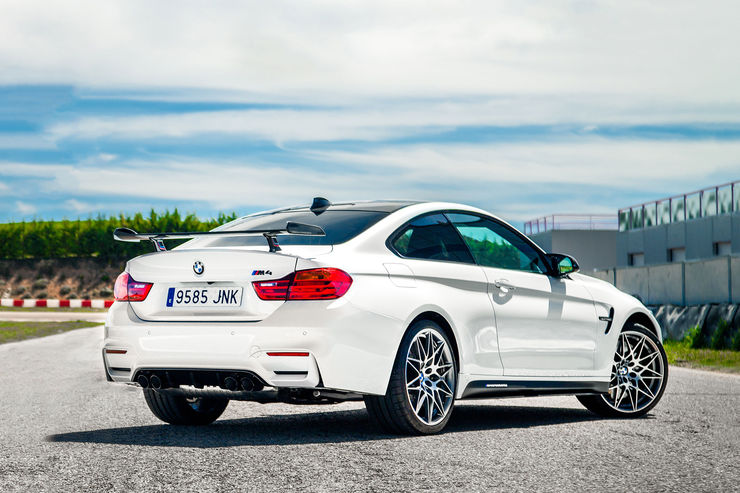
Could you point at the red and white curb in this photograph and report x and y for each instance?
(56, 303)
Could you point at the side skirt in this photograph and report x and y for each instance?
(484, 389)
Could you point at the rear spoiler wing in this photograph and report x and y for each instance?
(291, 228)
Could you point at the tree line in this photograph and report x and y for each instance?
(93, 237)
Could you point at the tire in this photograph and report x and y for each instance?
(639, 376)
(178, 410)
(421, 390)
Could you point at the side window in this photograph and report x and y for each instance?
(431, 237)
(494, 245)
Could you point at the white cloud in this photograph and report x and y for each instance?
(573, 177)
(631, 164)
(24, 208)
(223, 185)
(515, 180)
(386, 70)
(77, 206)
(21, 140)
(31, 170)
(386, 120)
(678, 51)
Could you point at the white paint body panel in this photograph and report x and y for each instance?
(546, 326)
(546, 329)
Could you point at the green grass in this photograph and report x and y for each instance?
(19, 331)
(49, 309)
(682, 354)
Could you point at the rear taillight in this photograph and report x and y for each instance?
(312, 284)
(126, 289)
(273, 290)
(319, 284)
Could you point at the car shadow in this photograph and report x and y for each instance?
(316, 427)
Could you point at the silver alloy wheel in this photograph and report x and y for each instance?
(637, 373)
(430, 377)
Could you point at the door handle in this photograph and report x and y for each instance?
(504, 285)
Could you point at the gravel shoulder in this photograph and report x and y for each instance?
(63, 428)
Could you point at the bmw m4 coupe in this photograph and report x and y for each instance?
(410, 306)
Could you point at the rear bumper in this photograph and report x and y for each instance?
(347, 348)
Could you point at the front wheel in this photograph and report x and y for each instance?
(639, 376)
(179, 410)
(421, 391)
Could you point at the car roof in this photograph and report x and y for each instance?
(357, 205)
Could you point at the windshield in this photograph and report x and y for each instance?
(339, 225)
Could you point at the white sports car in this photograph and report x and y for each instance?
(407, 305)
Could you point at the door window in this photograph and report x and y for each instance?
(431, 237)
(494, 245)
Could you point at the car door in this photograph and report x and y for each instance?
(446, 278)
(546, 325)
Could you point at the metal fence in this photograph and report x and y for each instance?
(712, 201)
(570, 221)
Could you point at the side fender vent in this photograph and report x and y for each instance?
(608, 320)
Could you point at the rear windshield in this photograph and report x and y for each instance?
(339, 225)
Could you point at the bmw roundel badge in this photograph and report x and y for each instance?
(198, 267)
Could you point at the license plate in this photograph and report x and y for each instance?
(210, 296)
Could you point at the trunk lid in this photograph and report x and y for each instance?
(226, 272)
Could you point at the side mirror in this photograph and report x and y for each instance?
(562, 265)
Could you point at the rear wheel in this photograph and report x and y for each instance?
(421, 391)
(639, 376)
(178, 410)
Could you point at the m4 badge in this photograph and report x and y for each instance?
(261, 273)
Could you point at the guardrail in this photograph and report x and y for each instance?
(570, 221)
(712, 201)
(693, 282)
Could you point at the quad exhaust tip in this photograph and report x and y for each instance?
(235, 382)
(245, 383)
(155, 382)
(230, 383)
(143, 381)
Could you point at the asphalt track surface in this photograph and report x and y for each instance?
(50, 316)
(63, 428)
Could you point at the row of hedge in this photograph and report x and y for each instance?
(721, 338)
(93, 237)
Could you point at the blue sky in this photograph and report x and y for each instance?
(522, 108)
